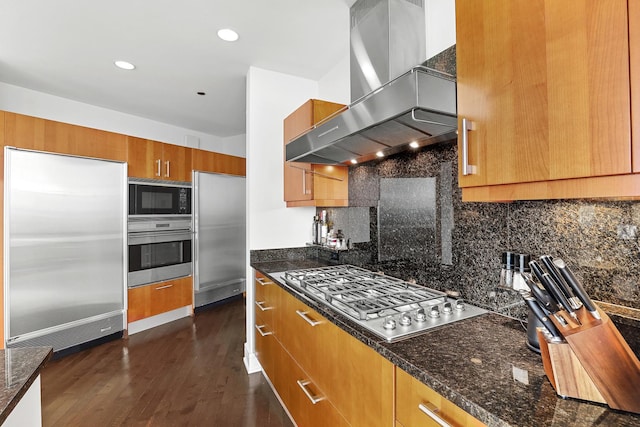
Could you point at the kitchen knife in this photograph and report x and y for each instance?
(551, 287)
(544, 319)
(547, 260)
(577, 287)
(544, 299)
(539, 272)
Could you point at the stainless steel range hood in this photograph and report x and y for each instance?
(417, 106)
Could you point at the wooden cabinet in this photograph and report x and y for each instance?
(319, 361)
(47, 135)
(207, 161)
(414, 402)
(156, 298)
(157, 160)
(308, 184)
(546, 87)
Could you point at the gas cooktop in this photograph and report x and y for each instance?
(387, 306)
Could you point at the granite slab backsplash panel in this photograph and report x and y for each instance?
(591, 236)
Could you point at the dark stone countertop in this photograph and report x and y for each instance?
(19, 367)
(482, 365)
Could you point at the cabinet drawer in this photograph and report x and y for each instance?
(265, 350)
(149, 300)
(305, 401)
(414, 399)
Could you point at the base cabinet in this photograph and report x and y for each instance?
(322, 374)
(156, 298)
(419, 405)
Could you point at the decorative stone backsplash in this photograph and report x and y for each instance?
(597, 239)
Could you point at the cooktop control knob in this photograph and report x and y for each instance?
(405, 319)
(459, 305)
(421, 316)
(446, 308)
(434, 312)
(389, 323)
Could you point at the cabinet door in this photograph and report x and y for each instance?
(546, 86)
(176, 163)
(634, 58)
(306, 184)
(144, 158)
(414, 400)
(47, 135)
(149, 300)
(208, 161)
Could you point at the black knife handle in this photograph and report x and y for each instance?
(547, 260)
(544, 319)
(550, 285)
(543, 298)
(576, 285)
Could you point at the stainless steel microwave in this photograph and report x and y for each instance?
(151, 197)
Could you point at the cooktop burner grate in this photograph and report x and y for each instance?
(379, 302)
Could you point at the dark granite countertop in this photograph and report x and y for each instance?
(20, 367)
(482, 365)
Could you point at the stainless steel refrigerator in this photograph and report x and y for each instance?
(219, 212)
(64, 249)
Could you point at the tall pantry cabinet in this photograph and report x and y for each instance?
(545, 91)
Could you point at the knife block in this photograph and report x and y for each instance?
(595, 363)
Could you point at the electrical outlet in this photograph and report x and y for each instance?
(627, 232)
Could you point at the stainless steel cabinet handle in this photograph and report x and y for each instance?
(166, 165)
(259, 329)
(314, 399)
(306, 318)
(304, 182)
(430, 410)
(467, 169)
(164, 287)
(159, 163)
(263, 281)
(261, 306)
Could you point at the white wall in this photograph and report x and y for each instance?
(38, 104)
(271, 97)
(441, 25)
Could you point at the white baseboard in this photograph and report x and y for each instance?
(251, 362)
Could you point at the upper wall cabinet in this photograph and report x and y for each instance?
(207, 161)
(544, 99)
(308, 184)
(156, 160)
(46, 135)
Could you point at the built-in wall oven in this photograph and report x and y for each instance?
(160, 232)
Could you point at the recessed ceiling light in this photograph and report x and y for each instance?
(380, 154)
(228, 35)
(414, 144)
(354, 161)
(124, 65)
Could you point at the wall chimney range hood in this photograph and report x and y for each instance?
(417, 106)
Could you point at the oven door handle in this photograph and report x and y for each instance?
(159, 236)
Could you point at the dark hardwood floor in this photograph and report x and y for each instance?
(185, 373)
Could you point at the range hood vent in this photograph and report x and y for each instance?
(419, 106)
(388, 37)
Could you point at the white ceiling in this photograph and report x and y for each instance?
(67, 48)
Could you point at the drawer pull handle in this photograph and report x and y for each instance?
(164, 287)
(263, 281)
(261, 306)
(303, 385)
(430, 410)
(306, 318)
(264, 334)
